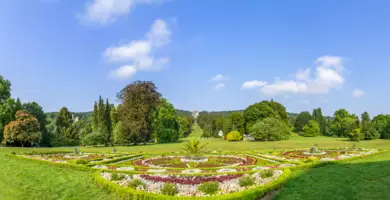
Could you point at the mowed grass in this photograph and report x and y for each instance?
(367, 178)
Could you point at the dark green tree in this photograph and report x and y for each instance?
(382, 125)
(5, 89)
(64, 119)
(311, 129)
(95, 117)
(270, 129)
(238, 122)
(368, 130)
(36, 110)
(320, 119)
(166, 125)
(344, 123)
(302, 119)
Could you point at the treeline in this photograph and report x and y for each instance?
(268, 120)
(142, 116)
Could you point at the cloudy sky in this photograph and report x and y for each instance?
(204, 55)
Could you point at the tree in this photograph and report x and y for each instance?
(302, 119)
(119, 136)
(36, 110)
(107, 121)
(270, 129)
(95, 117)
(262, 110)
(368, 130)
(344, 123)
(64, 119)
(382, 125)
(95, 139)
(238, 122)
(24, 131)
(166, 124)
(356, 135)
(320, 119)
(311, 129)
(5, 89)
(140, 101)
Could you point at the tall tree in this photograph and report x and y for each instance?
(64, 119)
(302, 119)
(368, 130)
(320, 119)
(382, 125)
(344, 123)
(166, 124)
(140, 101)
(107, 121)
(95, 117)
(238, 122)
(36, 110)
(5, 89)
(311, 129)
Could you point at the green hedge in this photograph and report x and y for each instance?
(113, 160)
(249, 194)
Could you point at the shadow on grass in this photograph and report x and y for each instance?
(366, 180)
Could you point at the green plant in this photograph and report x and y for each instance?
(267, 173)
(246, 181)
(136, 183)
(193, 146)
(117, 177)
(209, 187)
(192, 164)
(76, 151)
(81, 162)
(234, 136)
(314, 149)
(311, 159)
(169, 189)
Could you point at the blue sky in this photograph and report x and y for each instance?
(204, 55)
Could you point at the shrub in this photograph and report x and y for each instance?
(169, 189)
(117, 177)
(246, 181)
(270, 129)
(311, 129)
(135, 183)
(266, 173)
(356, 135)
(209, 187)
(311, 159)
(234, 136)
(81, 162)
(94, 139)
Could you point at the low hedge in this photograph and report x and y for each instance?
(249, 194)
(113, 160)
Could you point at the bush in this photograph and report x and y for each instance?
(267, 173)
(81, 162)
(135, 183)
(311, 129)
(117, 177)
(311, 159)
(270, 129)
(94, 139)
(209, 187)
(169, 189)
(356, 135)
(246, 181)
(234, 136)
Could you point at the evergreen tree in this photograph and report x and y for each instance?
(107, 121)
(95, 116)
(320, 119)
(368, 130)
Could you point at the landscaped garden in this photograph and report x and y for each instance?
(194, 172)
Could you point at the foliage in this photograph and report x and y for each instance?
(382, 125)
(266, 173)
(246, 181)
(140, 101)
(344, 123)
(5, 89)
(209, 187)
(119, 136)
(193, 146)
(117, 176)
(36, 110)
(237, 122)
(314, 149)
(64, 119)
(94, 139)
(234, 136)
(270, 129)
(320, 119)
(169, 189)
(135, 183)
(102, 119)
(166, 125)
(24, 131)
(356, 135)
(302, 119)
(368, 129)
(81, 162)
(262, 110)
(311, 129)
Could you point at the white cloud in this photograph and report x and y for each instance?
(104, 12)
(141, 53)
(253, 84)
(328, 75)
(124, 72)
(219, 77)
(357, 93)
(220, 86)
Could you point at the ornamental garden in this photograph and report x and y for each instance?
(194, 173)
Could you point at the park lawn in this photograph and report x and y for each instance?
(367, 178)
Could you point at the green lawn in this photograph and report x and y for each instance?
(367, 178)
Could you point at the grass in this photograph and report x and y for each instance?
(367, 178)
